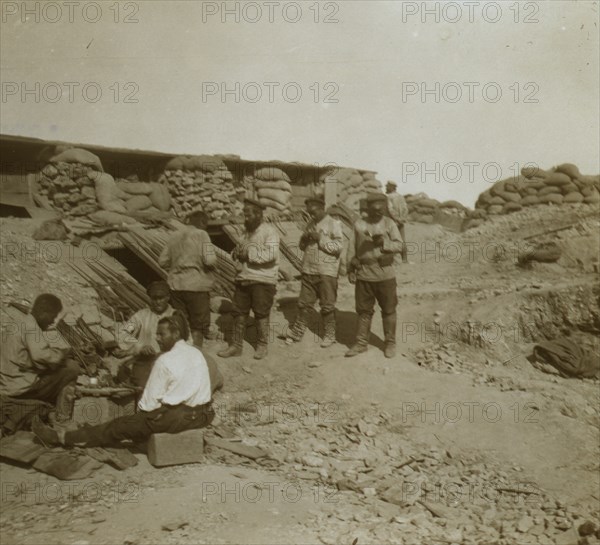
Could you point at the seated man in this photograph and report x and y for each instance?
(139, 339)
(30, 368)
(177, 398)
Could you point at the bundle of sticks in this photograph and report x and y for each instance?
(119, 296)
(84, 343)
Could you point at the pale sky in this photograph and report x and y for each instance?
(547, 70)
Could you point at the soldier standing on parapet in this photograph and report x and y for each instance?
(256, 283)
(376, 240)
(322, 244)
(398, 211)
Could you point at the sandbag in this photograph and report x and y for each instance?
(535, 183)
(51, 230)
(356, 180)
(551, 198)
(530, 172)
(372, 184)
(135, 188)
(271, 174)
(593, 198)
(495, 209)
(280, 185)
(281, 197)
(549, 189)
(530, 200)
(160, 197)
(497, 201)
(137, 203)
(106, 190)
(427, 203)
(484, 198)
(573, 197)
(511, 207)
(497, 188)
(368, 176)
(569, 169)
(272, 204)
(510, 197)
(558, 179)
(117, 206)
(546, 252)
(105, 217)
(78, 155)
(569, 188)
(452, 204)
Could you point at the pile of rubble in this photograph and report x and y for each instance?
(373, 482)
(563, 184)
(204, 183)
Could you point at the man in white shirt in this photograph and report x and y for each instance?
(177, 398)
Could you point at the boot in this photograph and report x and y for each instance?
(329, 326)
(362, 336)
(197, 337)
(262, 343)
(389, 333)
(237, 342)
(64, 403)
(297, 329)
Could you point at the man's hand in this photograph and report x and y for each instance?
(240, 253)
(378, 240)
(352, 277)
(147, 350)
(312, 236)
(119, 353)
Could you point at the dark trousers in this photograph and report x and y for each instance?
(256, 297)
(142, 425)
(318, 287)
(384, 292)
(49, 385)
(196, 307)
(404, 252)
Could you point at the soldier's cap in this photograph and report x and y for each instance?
(318, 200)
(376, 197)
(254, 202)
(158, 288)
(392, 183)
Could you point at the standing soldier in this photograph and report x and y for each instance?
(398, 211)
(376, 240)
(256, 283)
(190, 258)
(322, 244)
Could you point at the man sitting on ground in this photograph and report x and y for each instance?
(139, 338)
(30, 368)
(176, 398)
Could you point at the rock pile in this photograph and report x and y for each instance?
(563, 184)
(202, 182)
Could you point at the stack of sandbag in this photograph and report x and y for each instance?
(563, 184)
(202, 182)
(273, 189)
(421, 208)
(352, 186)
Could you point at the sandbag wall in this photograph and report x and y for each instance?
(74, 183)
(423, 209)
(352, 186)
(563, 184)
(273, 189)
(202, 182)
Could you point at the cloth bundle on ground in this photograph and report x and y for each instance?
(567, 357)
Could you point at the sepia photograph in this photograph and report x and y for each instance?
(300, 272)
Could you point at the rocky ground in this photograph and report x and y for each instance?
(457, 440)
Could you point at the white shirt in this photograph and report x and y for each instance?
(178, 376)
